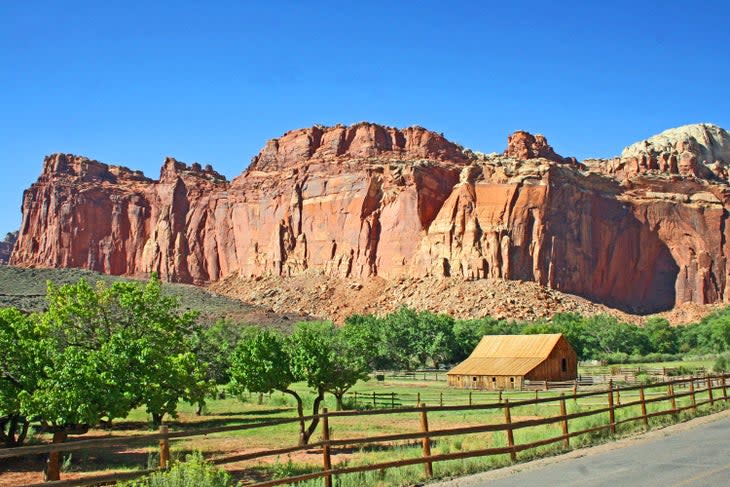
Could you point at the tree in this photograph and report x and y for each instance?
(315, 353)
(322, 357)
(400, 335)
(366, 334)
(21, 366)
(261, 363)
(434, 338)
(661, 336)
(141, 341)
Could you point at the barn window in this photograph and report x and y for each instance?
(564, 365)
(512, 380)
(474, 379)
(494, 379)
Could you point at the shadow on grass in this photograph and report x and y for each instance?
(176, 425)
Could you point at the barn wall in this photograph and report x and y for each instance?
(485, 382)
(551, 368)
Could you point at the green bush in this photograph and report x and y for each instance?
(721, 363)
(194, 472)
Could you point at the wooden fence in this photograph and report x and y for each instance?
(603, 403)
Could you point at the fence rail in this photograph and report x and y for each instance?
(713, 388)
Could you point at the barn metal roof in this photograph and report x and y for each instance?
(507, 354)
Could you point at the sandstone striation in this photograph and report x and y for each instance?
(642, 232)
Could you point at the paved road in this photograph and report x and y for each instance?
(684, 457)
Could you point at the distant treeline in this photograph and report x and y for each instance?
(406, 338)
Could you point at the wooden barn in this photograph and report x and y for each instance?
(506, 361)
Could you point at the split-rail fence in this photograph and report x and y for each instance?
(711, 389)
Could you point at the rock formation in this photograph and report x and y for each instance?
(6, 247)
(641, 232)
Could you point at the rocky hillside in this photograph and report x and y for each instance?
(642, 232)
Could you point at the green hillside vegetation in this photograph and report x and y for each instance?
(25, 289)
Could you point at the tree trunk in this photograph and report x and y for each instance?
(13, 437)
(300, 413)
(199, 411)
(338, 398)
(53, 465)
(315, 421)
(261, 398)
(157, 419)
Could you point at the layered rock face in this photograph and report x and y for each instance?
(368, 200)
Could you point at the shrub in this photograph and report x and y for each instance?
(194, 472)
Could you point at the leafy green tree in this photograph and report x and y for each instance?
(21, 366)
(261, 364)
(139, 339)
(434, 338)
(324, 359)
(661, 335)
(400, 338)
(366, 333)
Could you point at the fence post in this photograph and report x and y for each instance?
(326, 458)
(618, 396)
(374, 404)
(510, 434)
(441, 399)
(418, 399)
(575, 391)
(164, 448)
(724, 387)
(692, 395)
(500, 396)
(469, 398)
(611, 412)
(546, 385)
(709, 390)
(670, 393)
(642, 398)
(355, 398)
(426, 442)
(563, 413)
(392, 400)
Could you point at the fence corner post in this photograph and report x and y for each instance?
(326, 453)
(164, 447)
(692, 399)
(426, 442)
(510, 433)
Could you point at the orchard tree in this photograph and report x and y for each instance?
(144, 341)
(261, 364)
(21, 366)
(323, 359)
(314, 353)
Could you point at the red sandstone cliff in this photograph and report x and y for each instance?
(369, 200)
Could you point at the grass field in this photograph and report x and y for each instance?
(245, 410)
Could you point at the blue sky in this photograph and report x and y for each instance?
(131, 82)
